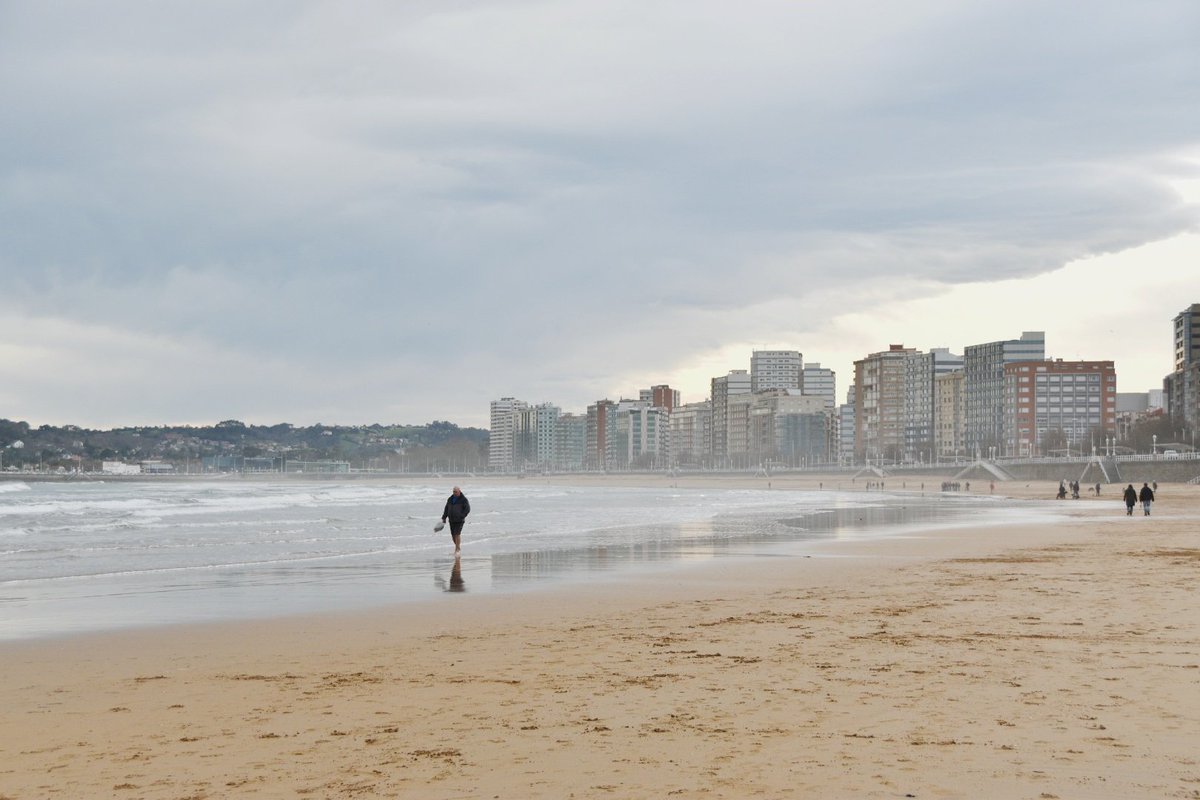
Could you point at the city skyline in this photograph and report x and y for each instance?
(348, 214)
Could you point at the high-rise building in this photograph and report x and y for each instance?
(642, 436)
(1059, 405)
(949, 416)
(920, 411)
(535, 437)
(983, 387)
(601, 430)
(502, 444)
(846, 428)
(661, 396)
(723, 388)
(879, 405)
(571, 445)
(690, 432)
(818, 381)
(784, 427)
(1182, 387)
(776, 369)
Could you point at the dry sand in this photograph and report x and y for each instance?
(1039, 661)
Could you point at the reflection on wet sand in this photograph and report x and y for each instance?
(723, 535)
(456, 583)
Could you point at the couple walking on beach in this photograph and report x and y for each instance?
(456, 511)
(1132, 496)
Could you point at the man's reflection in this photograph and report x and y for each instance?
(457, 584)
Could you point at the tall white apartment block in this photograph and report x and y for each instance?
(983, 387)
(921, 370)
(776, 369)
(818, 381)
(502, 445)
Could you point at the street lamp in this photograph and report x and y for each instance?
(1154, 445)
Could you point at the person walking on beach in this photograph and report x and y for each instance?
(1147, 497)
(456, 511)
(1131, 497)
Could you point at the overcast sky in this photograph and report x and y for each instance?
(363, 212)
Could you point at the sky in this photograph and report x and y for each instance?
(360, 212)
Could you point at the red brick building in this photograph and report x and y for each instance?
(1072, 404)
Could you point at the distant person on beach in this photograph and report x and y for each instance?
(1131, 498)
(1147, 497)
(456, 511)
(1062, 491)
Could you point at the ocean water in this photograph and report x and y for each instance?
(94, 556)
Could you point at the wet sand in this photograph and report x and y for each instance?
(1051, 660)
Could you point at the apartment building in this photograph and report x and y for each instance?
(921, 371)
(691, 428)
(571, 444)
(776, 369)
(725, 387)
(787, 428)
(661, 396)
(601, 432)
(1182, 387)
(535, 436)
(818, 381)
(949, 416)
(983, 386)
(846, 428)
(641, 436)
(1059, 407)
(502, 445)
(879, 405)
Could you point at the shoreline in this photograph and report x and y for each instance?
(1058, 660)
(763, 525)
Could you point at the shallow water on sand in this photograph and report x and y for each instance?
(81, 557)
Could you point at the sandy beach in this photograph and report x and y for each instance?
(1034, 661)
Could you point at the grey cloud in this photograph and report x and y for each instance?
(535, 184)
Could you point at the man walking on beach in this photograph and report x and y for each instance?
(1130, 499)
(1147, 497)
(456, 511)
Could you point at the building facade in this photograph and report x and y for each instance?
(879, 405)
(641, 438)
(1059, 407)
(950, 413)
(921, 371)
(983, 386)
(846, 428)
(736, 382)
(776, 369)
(661, 396)
(571, 444)
(535, 437)
(1182, 387)
(601, 431)
(818, 381)
(690, 431)
(502, 442)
